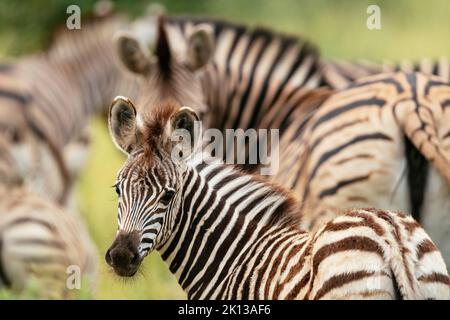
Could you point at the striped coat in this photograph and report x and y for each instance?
(41, 246)
(382, 142)
(50, 124)
(225, 234)
(234, 76)
(374, 165)
(340, 74)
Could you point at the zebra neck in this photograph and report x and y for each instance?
(253, 73)
(223, 217)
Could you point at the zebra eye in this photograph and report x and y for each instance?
(117, 190)
(167, 197)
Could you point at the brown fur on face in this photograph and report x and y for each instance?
(154, 127)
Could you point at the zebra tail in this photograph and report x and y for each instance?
(426, 140)
(417, 173)
(402, 267)
(420, 128)
(419, 271)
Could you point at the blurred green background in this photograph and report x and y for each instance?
(410, 29)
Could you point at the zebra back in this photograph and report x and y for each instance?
(340, 74)
(356, 150)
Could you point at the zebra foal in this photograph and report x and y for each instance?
(225, 234)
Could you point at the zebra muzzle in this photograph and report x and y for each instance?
(123, 255)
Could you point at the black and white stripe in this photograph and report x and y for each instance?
(36, 105)
(40, 243)
(225, 234)
(382, 142)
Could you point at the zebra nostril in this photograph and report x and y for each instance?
(121, 258)
(135, 258)
(108, 257)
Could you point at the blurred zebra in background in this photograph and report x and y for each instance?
(227, 235)
(340, 74)
(41, 246)
(42, 147)
(234, 76)
(34, 102)
(359, 148)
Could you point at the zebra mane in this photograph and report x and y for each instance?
(256, 32)
(154, 125)
(163, 49)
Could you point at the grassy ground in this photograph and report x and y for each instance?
(410, 29)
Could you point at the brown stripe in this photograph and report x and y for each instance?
(294, 271)
(368, 220)
(410, 226)
(276, 264)
(299, 286)
(42, 222)
(435, 277)
(341, 280)
(389, 218)
(346, 244)
(425, 247)
(339, 226)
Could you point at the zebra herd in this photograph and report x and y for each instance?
(358, 143)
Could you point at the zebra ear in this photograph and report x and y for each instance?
(200, 46)
(131, 53)
(122, 124)
(184, 129)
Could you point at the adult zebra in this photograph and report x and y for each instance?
(353, 151)
(46, 130)
(44, 250)
(225, 234)
(234, 76)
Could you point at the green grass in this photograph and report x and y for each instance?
(410, 29)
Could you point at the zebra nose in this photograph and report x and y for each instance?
(121, 257)
(108, 257)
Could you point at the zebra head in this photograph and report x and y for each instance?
(169, 67)
(149, 185)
